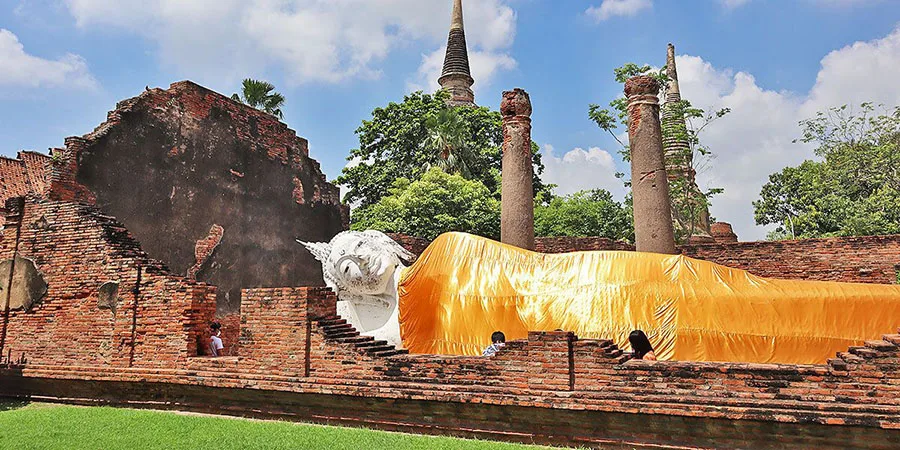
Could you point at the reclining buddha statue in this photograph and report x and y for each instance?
(464, 287)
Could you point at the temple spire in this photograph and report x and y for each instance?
(456, 20)
(673, 91)
(680, 160)
(456, 77)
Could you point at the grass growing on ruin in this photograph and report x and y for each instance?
(43, 426)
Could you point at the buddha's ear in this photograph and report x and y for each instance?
(320, 250)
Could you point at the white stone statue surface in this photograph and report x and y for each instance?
(363, 268)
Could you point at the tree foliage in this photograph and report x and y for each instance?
(397, 142)
(853, 190)
(260, 95)
(436, 203)
(447, 140)
(584, 213)
(687, 200)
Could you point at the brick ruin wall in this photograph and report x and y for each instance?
(863, 259)
(143, 317)
(216, 190)
(291, 341)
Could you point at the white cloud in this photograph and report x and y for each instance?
(580, 169)
(732, 4)
(844, 3)
(22, 69)
(311, 40)
(613, 8)
(485, 65)
(755, 140)
(490, 31)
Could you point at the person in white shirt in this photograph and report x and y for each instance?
(216, 348)
(498, 340)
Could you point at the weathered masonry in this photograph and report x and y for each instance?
(214, 189)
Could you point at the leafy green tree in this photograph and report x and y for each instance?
(447, 139)
(436, 203)
(854, 190)
(260, 95)
(584, 213)
(396, 143)
(687, 201)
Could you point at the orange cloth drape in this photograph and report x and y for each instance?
(464, 287)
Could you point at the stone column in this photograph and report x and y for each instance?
(517, 189)
(649, 185)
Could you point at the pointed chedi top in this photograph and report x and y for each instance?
(673, 91)
(456, 77)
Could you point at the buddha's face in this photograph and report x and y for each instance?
(360, 263)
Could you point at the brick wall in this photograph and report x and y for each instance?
(578, 244)
(415, 245)
(275, 337)
(292, 342)
(153, 320)
(863, 259)
(213, 188)
(275, 327)
(27, 174)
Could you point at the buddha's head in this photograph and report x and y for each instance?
(360, 263)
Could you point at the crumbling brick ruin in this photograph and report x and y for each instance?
(216, 190)
(101, 301)
(299, 360)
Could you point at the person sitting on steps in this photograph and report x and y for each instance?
(641, 346)
(499, 341)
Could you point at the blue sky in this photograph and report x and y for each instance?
(67, 62)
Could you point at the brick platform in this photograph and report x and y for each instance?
(299, 360)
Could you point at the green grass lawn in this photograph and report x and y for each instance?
(46, 426)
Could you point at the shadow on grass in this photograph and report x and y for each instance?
(9, 404)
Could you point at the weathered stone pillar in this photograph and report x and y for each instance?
(517, 189)
(649, 185)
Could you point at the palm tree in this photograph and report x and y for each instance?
(447, 139)
(260, 95)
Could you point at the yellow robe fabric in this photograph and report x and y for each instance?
(464, 287)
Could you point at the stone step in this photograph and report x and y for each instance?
(863, 352)
(881, 346)
(837, 363)
(892, 338)
(606, 343)
(332, 320)
(393, 352)
(379, 349)
(342, 334)
(372, 343)
(850, 358)
(355, 340)
(338, 328)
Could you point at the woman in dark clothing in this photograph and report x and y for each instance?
(641, 346)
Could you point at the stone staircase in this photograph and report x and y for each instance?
(887, 346)
(338, 330)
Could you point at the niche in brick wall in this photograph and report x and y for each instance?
(108, 296)
(25, 287)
